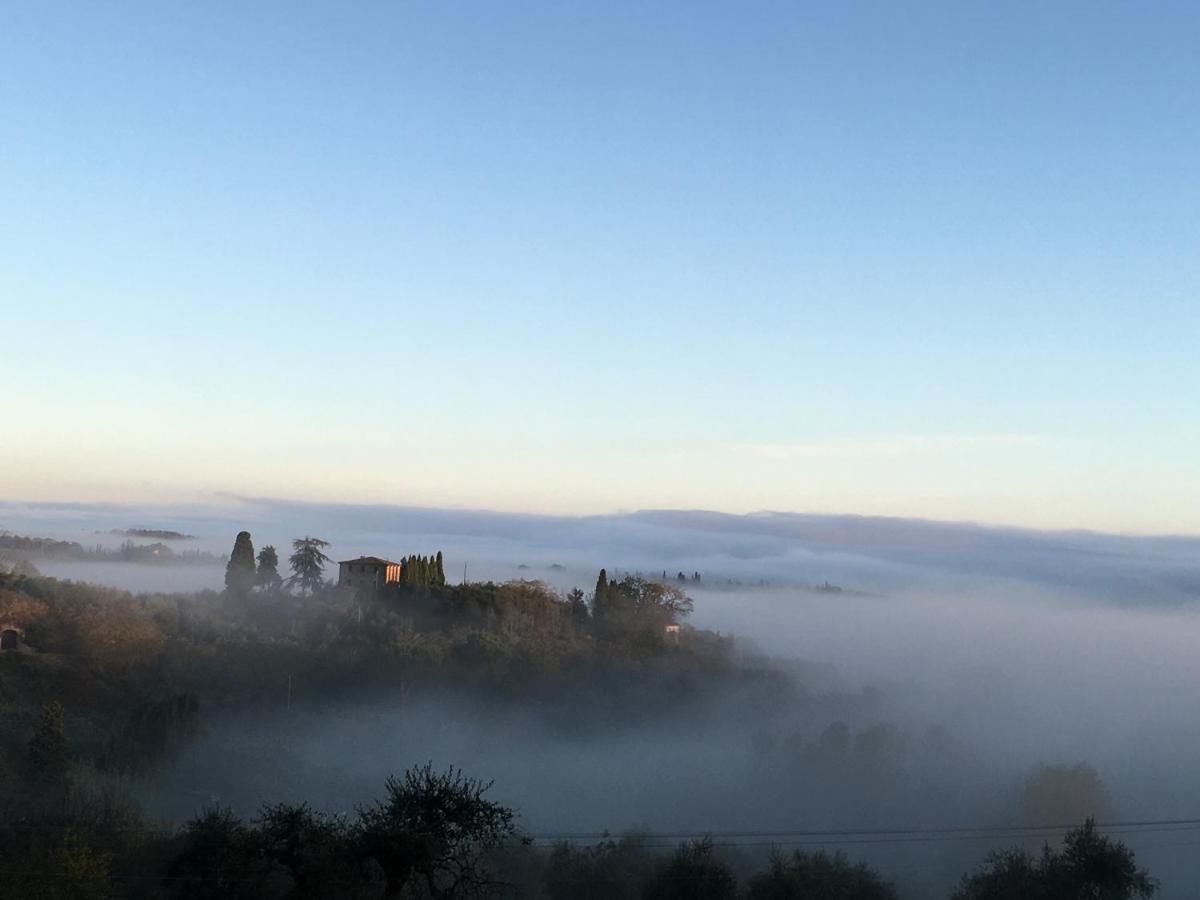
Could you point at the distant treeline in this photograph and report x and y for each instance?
(155, 534)
(23, 547)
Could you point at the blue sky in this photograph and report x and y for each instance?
(913, 259)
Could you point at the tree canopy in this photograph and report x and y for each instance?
(432, 831)
(818, 875)
(308, 564)
(693, 872)
(268, 578)
(1089, 865)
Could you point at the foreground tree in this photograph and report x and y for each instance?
(217, 856)
(268, 578)
(74, 870)
(608, 870)
(803, 875)
(693, 873)
(308, 564)
(1088, 866)
(431, 834)
(240, 572)
(315, 849)
(431, 837)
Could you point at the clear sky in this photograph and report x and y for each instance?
(936, 259)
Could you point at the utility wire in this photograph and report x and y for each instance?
(883, 834)
(755, 837)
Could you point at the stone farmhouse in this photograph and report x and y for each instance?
(367, 573)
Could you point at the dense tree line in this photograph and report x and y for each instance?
(246, 572)
(22, 547)
(422, 571)
(137, 674)
(633, 600)
(435, 834)
(159, 534)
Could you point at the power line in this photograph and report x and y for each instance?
(754, 837)
(886, 835)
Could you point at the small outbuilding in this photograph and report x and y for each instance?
(11, 637)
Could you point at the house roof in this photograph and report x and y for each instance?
(369, 560)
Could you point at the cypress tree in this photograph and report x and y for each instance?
(441, 572)
(600, 600)
(240, 573)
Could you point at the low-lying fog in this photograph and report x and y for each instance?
(989, 651)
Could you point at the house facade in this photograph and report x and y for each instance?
(367, 573)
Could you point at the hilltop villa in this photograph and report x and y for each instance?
(368, 573)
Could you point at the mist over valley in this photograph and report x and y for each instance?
(912, 675)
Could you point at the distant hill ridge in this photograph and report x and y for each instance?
(152, 533)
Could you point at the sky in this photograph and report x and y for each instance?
(925, 259)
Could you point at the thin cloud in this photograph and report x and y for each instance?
(891, 446)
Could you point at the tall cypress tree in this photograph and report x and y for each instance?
(240, 572)
(441, 572)
(600, 600)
